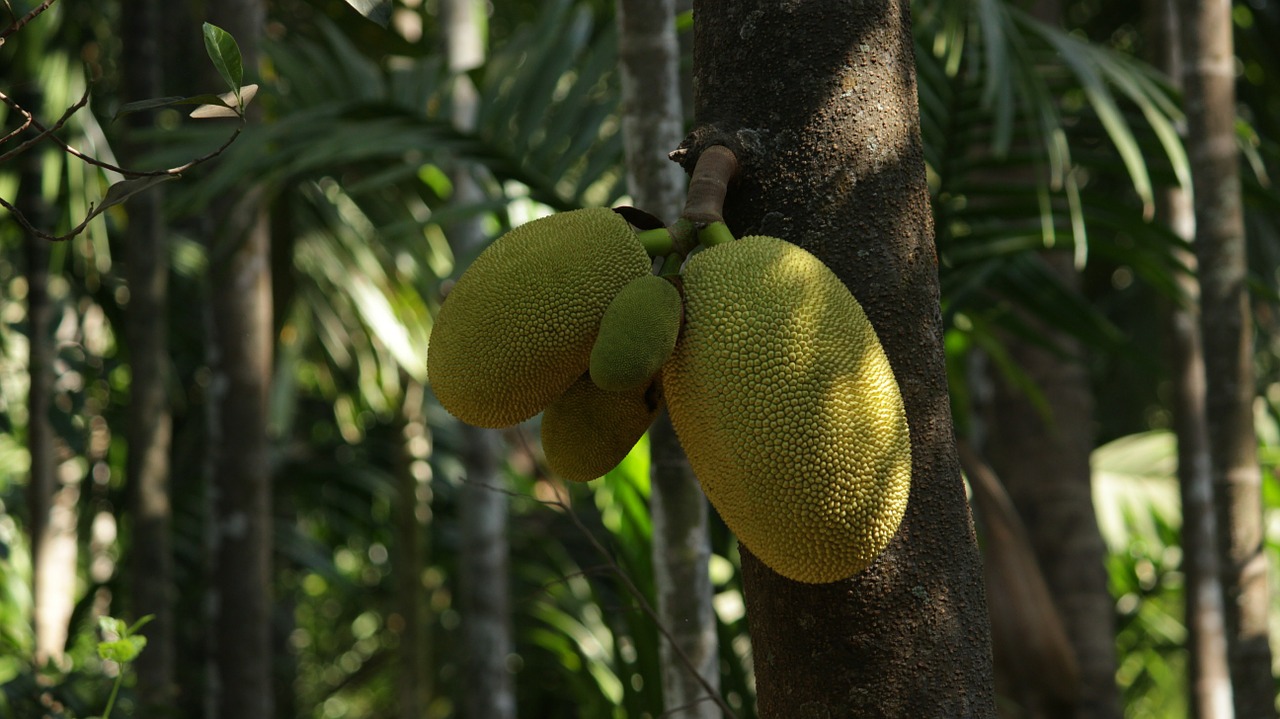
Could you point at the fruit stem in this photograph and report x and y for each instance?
(715, 169)
(671, 265)
(684, 235)
(656, 242)
(715, 233)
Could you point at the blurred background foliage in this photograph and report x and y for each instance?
(352, 151)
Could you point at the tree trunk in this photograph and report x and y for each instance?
(1227, 331)
(485, 602)
(653, 125)
(1044, 463)
(484, 572)
(414, 679)
(240, 344)
(1209, 675)
(51, 507)
(150, 419)
(818, 100)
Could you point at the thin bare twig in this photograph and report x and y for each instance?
(43, 132)
(127, 172)
(22, 21)
(21, 111)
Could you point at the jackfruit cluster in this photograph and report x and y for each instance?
(775, 381)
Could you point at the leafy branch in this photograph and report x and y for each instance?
(222, 50)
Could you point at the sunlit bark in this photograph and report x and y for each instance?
(1209, 674)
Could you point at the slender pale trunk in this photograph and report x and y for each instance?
(484, 582)
(485, 603)
(51, 502)
(1227, 334)
(414, 678)
(818, 100)
(240, 345)
(1210, 676)
(150, 419)
(653, 125)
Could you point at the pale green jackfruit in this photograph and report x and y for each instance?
(788, 409)
(587, 430)
(517, 328)
(637, 334)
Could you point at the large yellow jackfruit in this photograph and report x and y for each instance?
(587, 431)
(788, 409)
(637, 334)
(517, 328)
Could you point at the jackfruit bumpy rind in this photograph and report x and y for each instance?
(637, 334)
(788, 409)
(517, 328)
(587, 431)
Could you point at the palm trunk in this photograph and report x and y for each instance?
(818, 100)
(484, 572)
(485, 601)
(1209, 673)
(1227, 335)
(50, 507)
(652, 124)
(240, 345)
(414, 679)
(150, 419)
(1043, 460)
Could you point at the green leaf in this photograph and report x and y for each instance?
(225, 54)
(123, 190)
(122, 651)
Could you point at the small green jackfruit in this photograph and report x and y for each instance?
(788, 409)
(517, 328)
(587, 430)
(637, 334)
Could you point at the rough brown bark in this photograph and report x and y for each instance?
(240, 346)
(1044, 463)
(150, 420)
(652, 125)
(1227, 333)
(1209, 675)
(818, 100)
